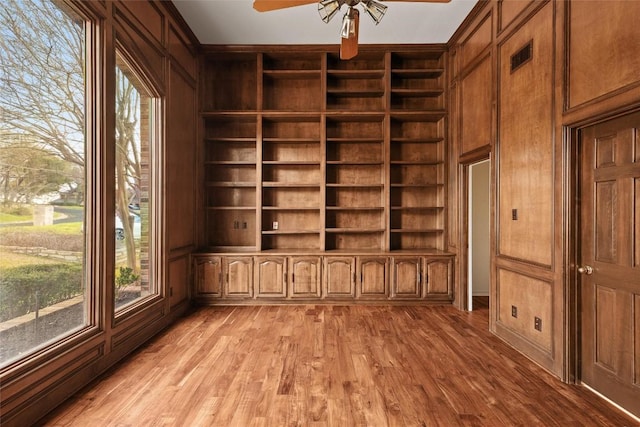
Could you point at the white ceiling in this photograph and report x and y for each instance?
(235, 22)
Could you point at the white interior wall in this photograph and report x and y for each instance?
(479, 228)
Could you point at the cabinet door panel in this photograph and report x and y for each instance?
(239, 272)
(407, 278)
(270, 277)
(208, 276)
(339, 277)
(438, 276)
(304, 277)
(373, 277)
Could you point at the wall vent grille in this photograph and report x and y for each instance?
(522, 56)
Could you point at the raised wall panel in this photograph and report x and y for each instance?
(151, 52)
(526, 146)
(477, 41)
(477, 108)
(178, 280)
(180, 163)
(636, 339)
(532, 298)
(180, 51)
(150, 17)
(603, 48)
(509, 9)
(636, 223)
(27, 388)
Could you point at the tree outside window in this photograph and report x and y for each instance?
(43, 166)
(134, 136)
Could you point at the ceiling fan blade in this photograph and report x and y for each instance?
(267, 5)
(349, 47)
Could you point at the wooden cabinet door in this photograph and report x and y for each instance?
(406, 279)
(339, 277)
(304, 277)
(374, 277)
(270, 277)
(239, 275)
(438, 276)
(208, 276)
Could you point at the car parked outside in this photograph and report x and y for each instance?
(137, 227)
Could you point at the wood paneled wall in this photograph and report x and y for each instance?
(602, 43)
(155, 32)
(582, 69)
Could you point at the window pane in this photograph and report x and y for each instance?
(42, 175)
(134, 108)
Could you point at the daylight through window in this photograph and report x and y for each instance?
(43, 172)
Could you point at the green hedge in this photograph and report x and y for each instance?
(54, 282)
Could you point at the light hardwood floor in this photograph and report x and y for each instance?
(332, 366)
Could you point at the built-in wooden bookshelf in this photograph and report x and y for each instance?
(291, 182)
(416, 175)
(338, 164)
(355, 182)
(358, 84)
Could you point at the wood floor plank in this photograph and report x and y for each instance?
(323, 366)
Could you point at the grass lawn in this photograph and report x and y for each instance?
(9, 260)
(5, 217)
(66, 228)
(8, 217)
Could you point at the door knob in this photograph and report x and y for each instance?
(587, 269)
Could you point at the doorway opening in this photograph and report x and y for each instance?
(479, 235)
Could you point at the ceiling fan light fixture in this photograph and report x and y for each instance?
(348, 29)
(328, 8)
(374, 9)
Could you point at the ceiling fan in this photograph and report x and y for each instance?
(350, 21)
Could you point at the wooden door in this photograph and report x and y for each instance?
(208, 276)
(609, 260)
(304, 277)
(339, 277)
(374, 277)
(407, 278)
(239, 275)
(270, 277)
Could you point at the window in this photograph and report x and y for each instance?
(43, 174)
(136, 146)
